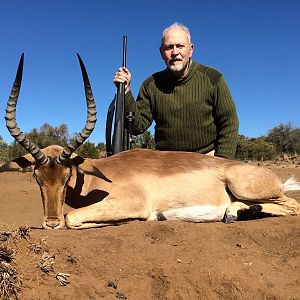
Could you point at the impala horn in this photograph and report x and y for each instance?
(11, 123)
(64, 158)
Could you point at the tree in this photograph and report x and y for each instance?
(296, 140)
(88, 149)
(101, 147)
(285, 137)
(15, 150)
(145, 140)
(48, 135)
(3, 150)
(45, 136)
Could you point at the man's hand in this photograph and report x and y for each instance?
(123, 76)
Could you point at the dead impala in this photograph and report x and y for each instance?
(143, 184)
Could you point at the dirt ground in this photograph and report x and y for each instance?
(257, 259)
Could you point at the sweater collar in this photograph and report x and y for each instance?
(182, 80)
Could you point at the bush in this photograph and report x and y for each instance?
(255, 149)
(89, 150)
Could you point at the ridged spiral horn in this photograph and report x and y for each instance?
(11, 123)
(64, 158)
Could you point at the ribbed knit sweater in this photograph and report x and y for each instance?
(194, 113)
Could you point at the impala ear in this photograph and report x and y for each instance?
(85, 167)
(76, 160)
(18, 163)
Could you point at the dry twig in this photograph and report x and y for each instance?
(63, 278)
(47, 262)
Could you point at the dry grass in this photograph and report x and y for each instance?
(6, 254)
(23, 232)
(5, 235)
(10, 284)
(46, 263)
(36, 248)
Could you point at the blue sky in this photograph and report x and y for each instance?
(255, 44)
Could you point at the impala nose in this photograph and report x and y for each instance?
(52, 223)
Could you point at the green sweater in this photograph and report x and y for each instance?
(194, 113)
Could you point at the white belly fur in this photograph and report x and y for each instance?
(200, 213)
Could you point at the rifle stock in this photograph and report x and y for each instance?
(118, 137)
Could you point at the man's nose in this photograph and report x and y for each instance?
(175, 51)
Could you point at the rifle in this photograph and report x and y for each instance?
(130, 120)
(117, 108)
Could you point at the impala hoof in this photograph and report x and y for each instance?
(160, 216)
(255, 209)
(229, 218)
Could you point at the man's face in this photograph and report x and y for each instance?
(176, 51)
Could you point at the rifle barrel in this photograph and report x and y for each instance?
(118, 137)
(124, 50)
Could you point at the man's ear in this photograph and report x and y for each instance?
(85, 167)
(192, 47)
(161, 53)
(18, 163)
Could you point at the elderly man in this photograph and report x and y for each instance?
(190, 103)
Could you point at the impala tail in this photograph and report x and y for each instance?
(291, 184)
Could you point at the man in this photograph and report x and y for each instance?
(189, 102)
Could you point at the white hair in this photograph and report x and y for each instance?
(178, 25)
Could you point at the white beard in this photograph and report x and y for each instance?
(177, 68)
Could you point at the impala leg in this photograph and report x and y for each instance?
(89, 225)
(231, 213)
(253, 184)
(280, 207)
(109, 211)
